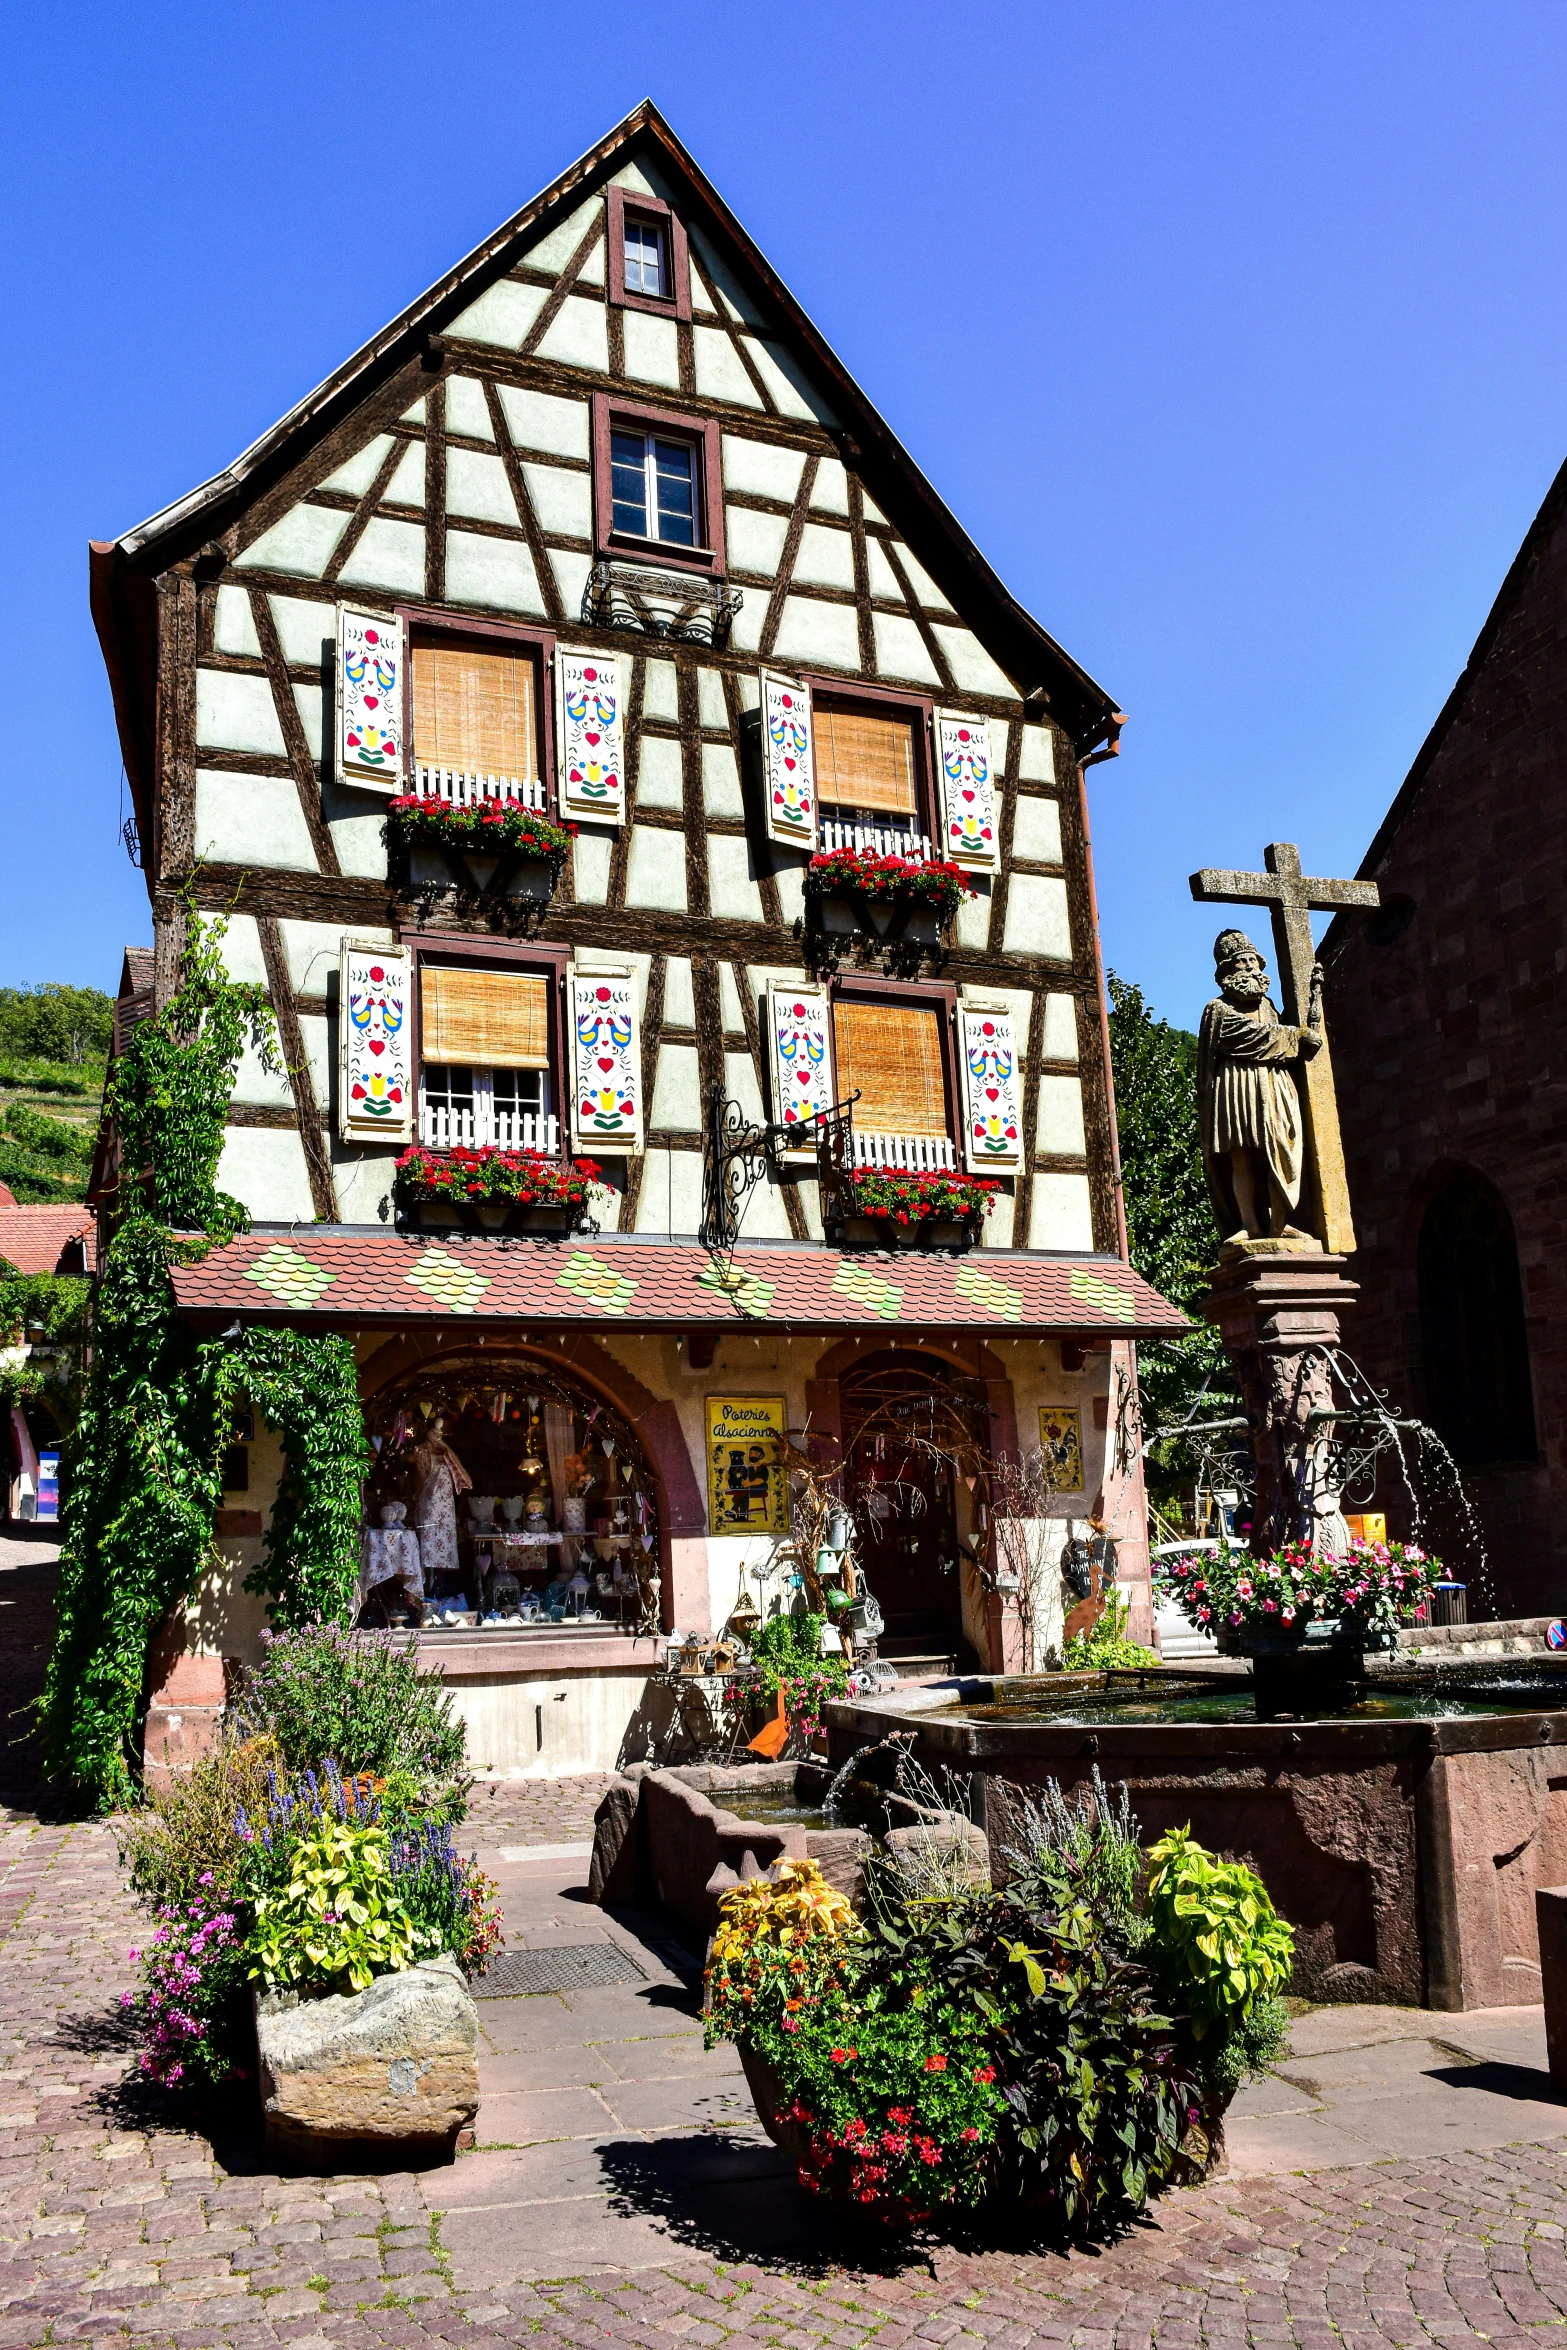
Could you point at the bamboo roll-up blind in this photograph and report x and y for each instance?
(485, 1019)
(892, 1054)
(474, 711)
(864, 759)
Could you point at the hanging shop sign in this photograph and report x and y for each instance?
(747, 1473)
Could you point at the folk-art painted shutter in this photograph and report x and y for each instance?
(968, 792)
(372, 660)
(606, 1061)
(590, 735)
(788, 760)
(992, 1091)
(802, 1060)
(375, 1093)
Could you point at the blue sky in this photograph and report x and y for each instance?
(1234, 334)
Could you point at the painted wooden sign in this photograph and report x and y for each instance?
(1061, 1442)
(747, 1474)
(968, 795)
(590, 735)
(802, 1063)
(606, 1062)
(375, 1091)
(788, 760)
(992, 1093)
(371, 667)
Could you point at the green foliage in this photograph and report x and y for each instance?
(51, 1138)
(307, 1387)
(177, 1837)
(1104, 1647)
(49, 1311)
(1075, 1852)
(787, 1653)
(53, 1022)
(338, 1921)
(1169, 1218)
(359, 1697)
(1221, 1944)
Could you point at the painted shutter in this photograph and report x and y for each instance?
(992, 1091)
(802, 1063)
(375, 1093)
(788, 760)
(371, 667)
(606, 1061)
(590, 735)
(968, 795)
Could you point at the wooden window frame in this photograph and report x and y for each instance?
(541, 642)
(851, 987)
(542, 959)
(608, 411)
(676, 248)
(888, 698)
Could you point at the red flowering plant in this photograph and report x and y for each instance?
(1372, 1589)
(526, 1177)
(491, 827)
(892, 1197)
(921, 881)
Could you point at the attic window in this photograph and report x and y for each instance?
(647, 271)
(648, 265)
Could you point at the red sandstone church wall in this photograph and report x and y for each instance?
(1449, 1044)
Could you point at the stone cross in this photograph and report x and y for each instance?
(1291, 898)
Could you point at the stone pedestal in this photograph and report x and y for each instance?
(1277, 1310)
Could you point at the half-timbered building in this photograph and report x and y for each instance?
(610, 747)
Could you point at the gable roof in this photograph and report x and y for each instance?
(123, 568)
(47, 1239)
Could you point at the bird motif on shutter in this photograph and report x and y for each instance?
(788, 760)
(606, 1099)
(591, 735)
(802, 1065)
(371, 664)
(375, 1096)
(968, 796)
(992, 1095)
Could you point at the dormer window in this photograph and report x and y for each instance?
(649, 263)
(654, 487)
(647, 269)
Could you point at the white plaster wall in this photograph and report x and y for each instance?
(812, 631)
(406, 487)
(591, 857)
(304, 540)
(467, 410)
(1061, 1217)
(656, 869)
(501, 316)
(577, 335)
(360, 470)
(652, 349)
(755, 541)
(679, 1003)
(242, 956)
(660, 774)
(731, 878)
(542, 420)
(307, 632)
(237, 713)
(1037, 919)
(233, 624)
(660, 696)
(677, 1089)
(1036, 830)
(925, 589)
(571, 576)
(719, 374)
(477, 485)
(973, 923)
(830, 490)
(390, 555)
(497, 574)
(671, 1195)
(259, 1086)
(826, 557)
(562, 501)
(762, 469)
(901, 650)
(1060, 1126)
(312, 950)
(555, 250)
(1036, 761)
(711, 707)
(265, 1167)
(362, 1179)
(970, 664)
(792, 390)
(721, 781)
(880, 574)
(251, 819)
(357, 822)
(1060, 1040)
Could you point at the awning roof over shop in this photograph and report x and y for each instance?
(324, 1276)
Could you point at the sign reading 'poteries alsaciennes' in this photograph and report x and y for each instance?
(747, 1478)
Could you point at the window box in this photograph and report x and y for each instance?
(903, 885)
(495, 1190)
(906, 1209)
(459, 831)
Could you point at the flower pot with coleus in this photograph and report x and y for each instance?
(889, 1196)
(926, 884)
(492, 1176)
(485, 828)
(1366, 1594)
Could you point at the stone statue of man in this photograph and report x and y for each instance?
(1252, 1127)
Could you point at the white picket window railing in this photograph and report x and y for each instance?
(445, 1129)
(466, 791)
(914, 1154)
(879, 840)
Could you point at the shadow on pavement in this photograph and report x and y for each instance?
(1524, 2081)
(735, 2199)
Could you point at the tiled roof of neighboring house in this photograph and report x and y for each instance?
(47, 1240)
(369, 1277)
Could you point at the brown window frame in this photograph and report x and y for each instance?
(940, 992)
(541, 642)
(677, 251)
(609, 410)
(541, 957)
(889, 698)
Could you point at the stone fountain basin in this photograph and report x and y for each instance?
(1405, 1852)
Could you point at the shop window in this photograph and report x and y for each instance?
(868, 777)
(477, 731)
(895, 1053)
(485, 1043)
(1479, 1393)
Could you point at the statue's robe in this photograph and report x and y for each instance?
(1247, 1100)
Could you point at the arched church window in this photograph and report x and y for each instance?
(1479, 1394)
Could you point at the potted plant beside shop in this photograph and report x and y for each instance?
(899, 1209)
(494, 1190)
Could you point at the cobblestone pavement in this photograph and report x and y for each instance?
(119, 2225)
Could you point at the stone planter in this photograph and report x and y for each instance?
(394, 2068)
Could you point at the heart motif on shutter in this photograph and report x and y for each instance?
(372, 701)
(992, 1093)
(377, 1046)
(592, 741)
(606, 1066)
(789, 763)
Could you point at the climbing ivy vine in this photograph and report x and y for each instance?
(145, 1466)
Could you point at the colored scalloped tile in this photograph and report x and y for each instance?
(1092, 1289)
(864, 1286)
(446, 1281)
(997, 1298)
(751, 1294)
(596, 1283)
(287, 1274)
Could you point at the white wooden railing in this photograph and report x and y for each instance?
(880, 840)
(465, 791)
(470, 1130)
(918, 1154)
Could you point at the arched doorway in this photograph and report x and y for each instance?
(574, 1504)
(1479, 1393)
(909, 1422)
